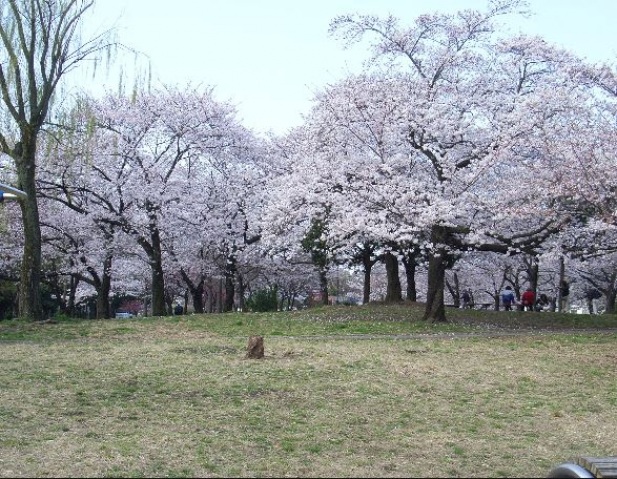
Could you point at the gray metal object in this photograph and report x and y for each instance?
(7, 196)
(11, 193)
(569, 470)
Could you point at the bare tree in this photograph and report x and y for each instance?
(41, 43)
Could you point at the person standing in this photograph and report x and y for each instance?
(528, 299)
(507, 298)
(467, 300)
(592, 295)
(542, 303)
(564, 292)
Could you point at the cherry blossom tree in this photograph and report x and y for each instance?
(140, 173)
(474, 111)
(223, 223)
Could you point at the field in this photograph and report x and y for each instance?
(342, 392)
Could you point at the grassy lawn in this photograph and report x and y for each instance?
(176, 397)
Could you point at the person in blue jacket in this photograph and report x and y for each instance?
(507, 298)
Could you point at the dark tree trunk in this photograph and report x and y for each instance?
(610, 302)
(197, 296)
(590, 305)
(435, 308)
(240, 281)
(611, 295)
(58, 288)
(220, 291)
(438, 263)
(410, 276)
(366, 289)
(195, 290)
(209, 293)
(394, 290)
(230, 291)
(102, 296)
(533, 269)
(73, 283)
(153, 250)
(562, 275)
(323, 284)
(365, 255)
(186, 302)
(102, 285)
(158, 289)
(454, 290)
(169, 303)
(30, 304)
(230, 284)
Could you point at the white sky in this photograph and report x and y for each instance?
(269, 56)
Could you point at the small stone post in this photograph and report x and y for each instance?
(255, 349)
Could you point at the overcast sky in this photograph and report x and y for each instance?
(269, 56)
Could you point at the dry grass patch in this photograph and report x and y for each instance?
(157, 403)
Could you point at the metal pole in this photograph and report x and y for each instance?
(569, 470)
(10, 193)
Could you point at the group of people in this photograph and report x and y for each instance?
(528, 302)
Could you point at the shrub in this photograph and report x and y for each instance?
(263, 300)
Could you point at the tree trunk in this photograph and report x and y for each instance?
(195, 290)
(292, 300)
(220, 299)
(70, 307)
(435, 308)
(102, 296)
(230, 291)
(197, 295)
(323, 283)
(590, 305)
(156, 264)
(534, 271)
(562, 275)
(240, 281)
(496, 301)
(366, 255)
(209, 293)
(158, 289)
(394, 291)
(366, 288)
(410, 276)
(455, 290)
(30, 305)
(611, 295)
(230, 284)
(610, 302)
(437, 265)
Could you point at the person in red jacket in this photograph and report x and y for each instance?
(528, 299)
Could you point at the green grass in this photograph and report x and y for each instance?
(372, 319)
(161, 397)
